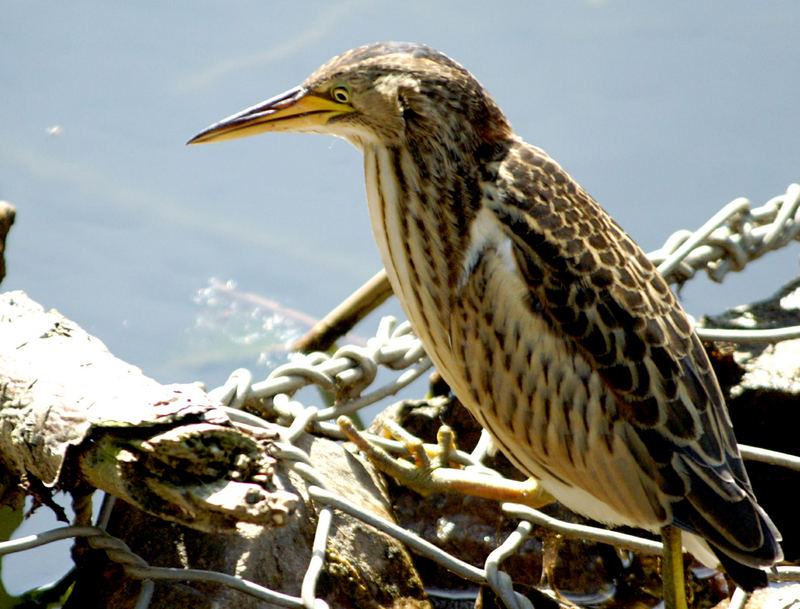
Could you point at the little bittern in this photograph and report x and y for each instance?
(546, 319)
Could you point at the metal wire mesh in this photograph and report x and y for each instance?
(728, 241)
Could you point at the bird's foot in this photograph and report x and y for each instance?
(432, 470)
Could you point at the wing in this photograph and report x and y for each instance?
(602, 293)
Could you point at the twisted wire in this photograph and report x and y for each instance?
(731, 238)
(727, 242)
(350, 370)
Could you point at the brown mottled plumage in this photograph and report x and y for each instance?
(545, 318)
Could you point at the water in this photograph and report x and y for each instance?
(663, 111)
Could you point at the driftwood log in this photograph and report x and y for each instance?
(70, 412)
(199, 491)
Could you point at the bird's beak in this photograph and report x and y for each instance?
(297, 109)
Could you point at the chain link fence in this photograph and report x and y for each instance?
(733, 237)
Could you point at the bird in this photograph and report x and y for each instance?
(545, 318)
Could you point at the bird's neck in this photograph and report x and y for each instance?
(422, 205)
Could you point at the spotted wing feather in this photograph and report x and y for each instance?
(604, 296)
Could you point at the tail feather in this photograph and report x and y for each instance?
(745, 542)
(747, 578)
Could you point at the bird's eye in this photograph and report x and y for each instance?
(341, 94)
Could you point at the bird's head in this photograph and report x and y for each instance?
(380, 94)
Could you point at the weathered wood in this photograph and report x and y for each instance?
(168, 449)
(199, 490)
(362, 567)
(7, 213)
(341, 320)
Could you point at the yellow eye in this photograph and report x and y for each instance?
(341, 94)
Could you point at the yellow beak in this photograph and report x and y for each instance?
(295, 110)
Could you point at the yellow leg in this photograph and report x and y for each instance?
(672, 569)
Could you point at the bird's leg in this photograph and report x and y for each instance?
(672, 569)
(434, 475)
